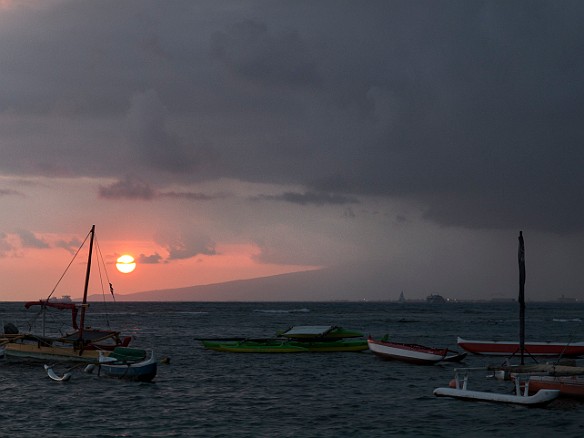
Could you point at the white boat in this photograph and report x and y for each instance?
(412, 353)
(521, 396)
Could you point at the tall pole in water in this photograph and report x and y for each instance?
(521, 259)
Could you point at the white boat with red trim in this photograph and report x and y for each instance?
(411, 353)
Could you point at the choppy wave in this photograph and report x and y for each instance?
(302, 310)
(325, 395)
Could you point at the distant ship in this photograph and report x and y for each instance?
(401, 299)
(435, 299)
(63, 299)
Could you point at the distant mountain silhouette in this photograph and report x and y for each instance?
(319, 285)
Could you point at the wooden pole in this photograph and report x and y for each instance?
(87, 272)
(521, 260)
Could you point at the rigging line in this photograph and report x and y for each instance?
(68, 266)
(100, 262)
(106, 274)
(557, 362)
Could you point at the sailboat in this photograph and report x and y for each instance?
(522, 348)
(459, 387)
(83, 344)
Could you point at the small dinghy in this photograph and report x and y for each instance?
(51, 373)
(412, 353)
(128, 363)
(521, 396)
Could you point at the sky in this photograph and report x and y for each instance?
(404, 143)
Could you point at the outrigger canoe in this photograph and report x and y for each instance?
(284, 346)
(299, 339)
(320, 332)
(569, 386)
(509, 348)
(412, 353)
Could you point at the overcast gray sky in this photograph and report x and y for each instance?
(408, 140)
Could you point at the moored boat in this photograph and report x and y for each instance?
(509, 348)
(521, 348)
(128, 363)
(569, 386)
(298, 339)
(411, 353)
(320, 332)
(253, 346)
(285, 346)
(459, 390)
(82, 344)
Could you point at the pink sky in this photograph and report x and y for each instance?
(221, 140)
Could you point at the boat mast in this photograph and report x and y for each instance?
(87, 272)
(521, 259)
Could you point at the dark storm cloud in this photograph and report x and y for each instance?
(471, 109)
(29, 240)
(134, 189)
(192, 196)
(190, 247)
(249, 49)
(153, 142)
(151, 259)
(6, 247)
(71, 246)
(308, 198)
(9, 192)
(127, 189)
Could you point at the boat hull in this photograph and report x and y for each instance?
(47, 353)
(411, 353)
(138, 372)
(569, 386)
(286, 346)
(508, 348)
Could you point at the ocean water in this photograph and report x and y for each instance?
(203, 393)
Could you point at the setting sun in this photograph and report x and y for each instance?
(126, 264)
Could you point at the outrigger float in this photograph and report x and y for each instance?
(520, 397)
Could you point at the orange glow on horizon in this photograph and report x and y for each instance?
(230, 263)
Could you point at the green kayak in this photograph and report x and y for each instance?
(297, 339)
(285, 346)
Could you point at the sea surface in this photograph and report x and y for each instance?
(202, 393)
